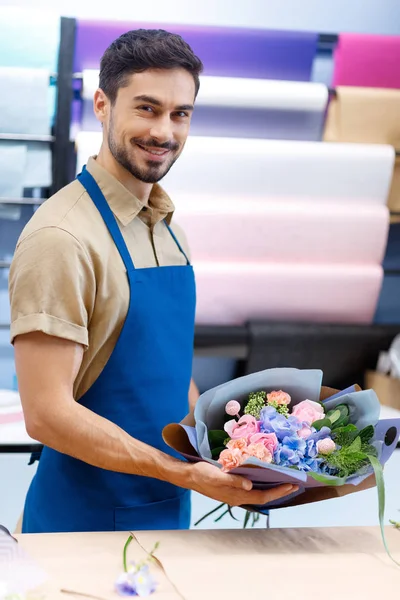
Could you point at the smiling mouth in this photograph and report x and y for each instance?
(159, 152)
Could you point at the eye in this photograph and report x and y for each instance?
(182, 114)
(146, 108)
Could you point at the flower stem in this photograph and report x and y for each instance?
(209, 513)
(220, 516)
(128, 541)
(231, 514)
(246, 519)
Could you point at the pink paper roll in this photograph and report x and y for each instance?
(243, 230)
(11, 418)
(232, 293)
(367, 61)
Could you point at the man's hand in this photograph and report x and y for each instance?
(231, 489)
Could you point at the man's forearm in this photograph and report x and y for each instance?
(78, 432)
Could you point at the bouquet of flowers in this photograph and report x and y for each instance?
(310, 438)
(282, 426)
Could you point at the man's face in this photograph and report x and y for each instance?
(148, 125)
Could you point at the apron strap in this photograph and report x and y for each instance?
(97, 196)
(176, 241)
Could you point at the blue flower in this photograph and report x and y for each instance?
(295, 443)
(310, 464)
(136, 583)
(284, 427)
(311, 448)
(267, 415)
(290, 452)
(320, 435)
(144, 582)
(285, 457)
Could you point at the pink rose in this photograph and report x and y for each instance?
(279, 397)
(260, 451)
(308, 411)
(239, 444)
(244, 428)
(326, 446)
(232, 408)
(305, 432)
(230, 459)
(268, 440)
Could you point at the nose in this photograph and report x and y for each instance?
(161, 129)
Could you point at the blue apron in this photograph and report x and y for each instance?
(143, 387)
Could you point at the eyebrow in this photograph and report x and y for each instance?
(155, 102)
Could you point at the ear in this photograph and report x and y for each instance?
(101, 105)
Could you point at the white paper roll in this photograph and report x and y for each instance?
(221, 229)
(271, 169)
(25, 101)
(12, 168)
(38, 168)
(262, 93)
(29, 37)
(90, 83)
(87, 143)
(23, 165)
(240, 92)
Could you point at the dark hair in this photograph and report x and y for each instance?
(142, 49)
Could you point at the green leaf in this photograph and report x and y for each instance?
(380, 486)
(344, 410)
(370, 450)
(326, 480)
(343, 420)
(321, 423)
(215, 452)
(367, 434)
(355, 446)
(344, 436)
(333, 415)
(216, 438)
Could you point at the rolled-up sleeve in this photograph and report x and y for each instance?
(52, 286)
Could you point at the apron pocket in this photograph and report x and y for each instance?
(167, 514)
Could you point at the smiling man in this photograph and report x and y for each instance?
(103, 306)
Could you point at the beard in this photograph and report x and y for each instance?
(153, 171)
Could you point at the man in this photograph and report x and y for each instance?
(103, 305)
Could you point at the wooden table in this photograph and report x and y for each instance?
(286, 564)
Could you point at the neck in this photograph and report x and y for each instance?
(138, 188)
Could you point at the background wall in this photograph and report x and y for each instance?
(330, 16)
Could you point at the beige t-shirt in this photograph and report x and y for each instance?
(67, 278)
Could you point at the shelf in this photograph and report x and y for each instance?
(219, 340)
(26, 137)
(30, 201)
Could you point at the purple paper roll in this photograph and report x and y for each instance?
(229, 52)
